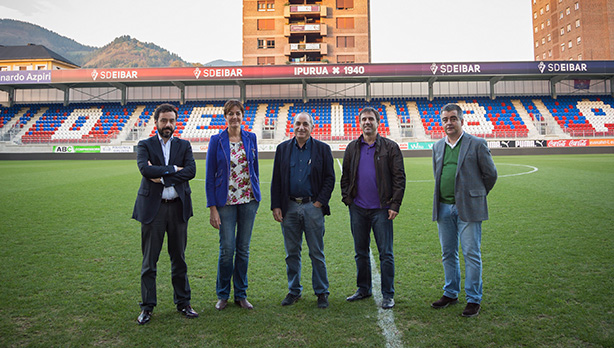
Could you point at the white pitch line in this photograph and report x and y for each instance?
(385, 317)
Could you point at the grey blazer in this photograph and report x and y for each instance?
(476, 175)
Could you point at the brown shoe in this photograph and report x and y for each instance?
(221, 304)
(244, 303)
(444, 302)
(471, 310)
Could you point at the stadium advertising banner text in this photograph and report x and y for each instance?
(305, 71)
(92, 149)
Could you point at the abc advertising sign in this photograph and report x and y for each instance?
(305, 71)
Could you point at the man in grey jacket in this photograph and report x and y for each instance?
(464, 175)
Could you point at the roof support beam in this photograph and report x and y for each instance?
(123, 89)
(181, 87)
(305, 97)
(492, 82)
(66, 90)
(612, 86)
(11, 93)
(431, 82)
(241, 91)
(553, 82)
(368, 90)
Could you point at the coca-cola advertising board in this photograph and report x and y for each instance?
(568, 143)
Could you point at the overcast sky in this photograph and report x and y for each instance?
(402, 31)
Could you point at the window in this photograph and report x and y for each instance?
(561, 15)
(577, 23)
(577, 5)
(4, 68)
(266, 5)
(345, 4)
(568, 28)
(542, 27)
(562, 47)
(536, 57)
(23, 68)
(578, 40)
(534, 15)
(266, 24)
(535, 30)
(345, 22)
(547, 7)
(534, 1)
(549, 53)
(567, 11)
(579, 57)
(541, 11)
(569, 44)
(345, 41)
(266, 60)
(548, 22)
(44, 67)
(266, 43)
(346, 59)
(544, 55)
(562, 31)
(536, 44)
(549, 38)
(543, 40)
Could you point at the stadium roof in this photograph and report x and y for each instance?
(30, 51)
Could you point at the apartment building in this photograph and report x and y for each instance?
(279, 32)
(573, 29)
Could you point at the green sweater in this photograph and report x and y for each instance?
(448, 173)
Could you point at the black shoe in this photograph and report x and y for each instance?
(323, 301)
(358, 296)
(144, 317)
(388, 303)
(188, 312)
(471, 310)
(444, 302)
(290, 299)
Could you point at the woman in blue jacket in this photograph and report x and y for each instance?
(233, 195)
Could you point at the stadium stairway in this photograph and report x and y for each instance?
(555, 129)
(393, 121)
(11, 124)
(259, 120)
(414, 116)
(336, 128)
(282, 118)
(529, 123)
(130, 124)
(31, 122)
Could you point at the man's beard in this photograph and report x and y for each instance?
(163, 133)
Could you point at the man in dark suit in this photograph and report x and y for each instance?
(464, 175)
(164, 204)
(303, 181)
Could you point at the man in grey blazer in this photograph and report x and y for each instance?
(464, 175)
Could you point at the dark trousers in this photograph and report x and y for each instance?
(152, 237)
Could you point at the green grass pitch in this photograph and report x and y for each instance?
(70, 264)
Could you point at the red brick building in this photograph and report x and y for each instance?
(306, 31)
(573, 29)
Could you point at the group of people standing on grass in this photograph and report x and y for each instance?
(372, 186)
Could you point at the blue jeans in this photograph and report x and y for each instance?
(361, 223)
(304, 217)
(451, 229)
(242, 217)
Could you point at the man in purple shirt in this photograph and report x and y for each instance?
(372, 186)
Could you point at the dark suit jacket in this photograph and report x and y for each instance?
(476, 175)
(322, 175)
(149, 196)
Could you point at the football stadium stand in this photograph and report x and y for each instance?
(334, 119)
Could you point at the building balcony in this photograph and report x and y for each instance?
(321, 29)
(320, 48)
(304, 10)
